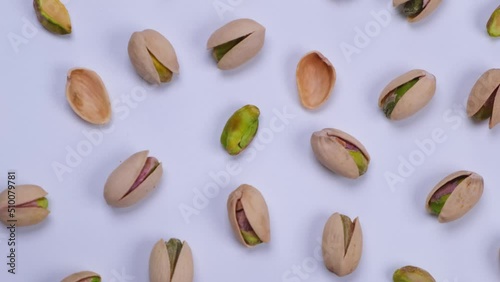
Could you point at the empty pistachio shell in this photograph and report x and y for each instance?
(315, 79)
(133, 180)
(53, 16)
(236, 42)
(87, 96)
(25, 205)
(455, 195)
(342, 244)
(249, 216)
(152, 56)
(407, 94)
(84, 276)
(340, 152)
(240, 129)
(412, 274)
(416, 10)
(483, 103)
(493, 25)
(171, 261)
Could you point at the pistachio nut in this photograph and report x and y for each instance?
(455, 195)
(340, 152)
(416, 10)
(53, 16)
(132, 180)
(236, 42)
(249, 216)
(152, 56)
(25, 205)
(240, 129)
(315, 79)
(407, 94)
(493, 25)
(87, 96)
(171, 261)
(482, 103)
(412, 274)
(342, 244)
(84, 276)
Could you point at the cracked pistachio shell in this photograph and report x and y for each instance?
(429, 7)
(159, 264)
(333, 155)
(87, 96)
(462, 199)
(493, 25)
(315, 79)
(141, 49)
(84, 276)
(53, 16)
(253, 34)
(484, 89)
(412, 274)
(117, 188)
(417, 97)
(25, 216)
(240, 129)
(256, 211)
(342, 255)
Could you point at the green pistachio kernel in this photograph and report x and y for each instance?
(240, 129)
(221, 50)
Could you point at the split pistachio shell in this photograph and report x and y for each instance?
(153, 56)
(240, 129)
(53, 16)
(416, 10)
(249, 216)
(412, 274)
(160, 263)
(84, 276)
(493, 25)
(87, 96)
(483, 102)
(342, 244)
(236, 43)
(340, 152)
(315, 79)
(455, 195)
(133, 180)
(30, 205)
(407, 94)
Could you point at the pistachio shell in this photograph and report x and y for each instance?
(256, 211)
(53, 16)
(24, 216)
(333, 155)
(412, 274)
(244, 50)
(87, 96)
(462, 199)
(428, 9)
(315, 79)
(84, 276)
(415, 98)
(339, 258)
(159, 264)
(483, 89)
(150, 42)
(121, 180)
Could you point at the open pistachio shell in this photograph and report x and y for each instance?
(133, 180)
(456, 194)
(30, 205)
(342, 244)
(87, 96)
(152, 56)
(412, 274)
(160, 264)
(340, 152)
(399, 106)
(84, 276)
(483, 100)
(53, 16)
(315, 79)
(236, 42)
(428, 7)
(247, 208)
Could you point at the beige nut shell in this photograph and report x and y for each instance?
(76, 277)
(24, 216)
(159, 264)
(482, 90)
(431, 6)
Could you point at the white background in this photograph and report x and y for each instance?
(181, 123)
